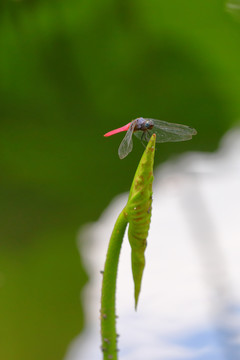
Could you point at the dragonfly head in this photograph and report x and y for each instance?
(149, 124)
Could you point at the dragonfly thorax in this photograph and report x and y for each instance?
(144, 124)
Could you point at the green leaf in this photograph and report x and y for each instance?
(138, 212)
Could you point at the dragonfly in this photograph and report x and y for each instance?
(143, 128)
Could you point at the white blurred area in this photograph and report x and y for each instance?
(233, 7)
(189, 306)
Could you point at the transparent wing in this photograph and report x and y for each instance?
(170, 132)
(127, 144)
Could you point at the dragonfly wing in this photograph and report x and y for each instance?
(127, 144)
(171, 132)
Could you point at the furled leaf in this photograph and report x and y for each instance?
(138, 212)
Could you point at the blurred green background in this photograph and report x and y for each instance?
(69, 72)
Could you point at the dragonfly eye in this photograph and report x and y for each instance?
(148, 125)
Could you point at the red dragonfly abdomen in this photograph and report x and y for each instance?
(123, 128)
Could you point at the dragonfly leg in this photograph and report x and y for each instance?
(149, 134)
(143, 137)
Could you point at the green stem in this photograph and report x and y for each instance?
(108, 315)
